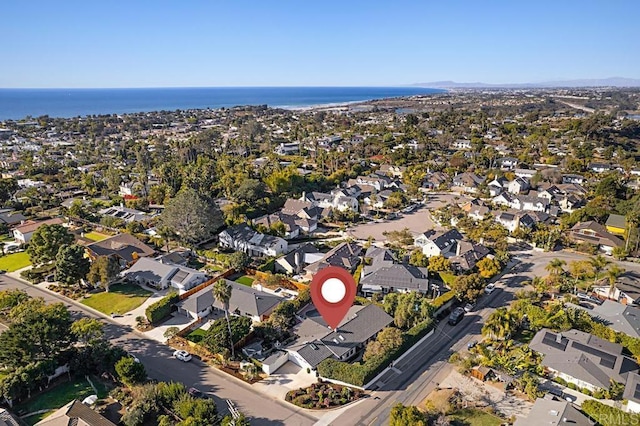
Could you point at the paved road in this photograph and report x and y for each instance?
(160, 365)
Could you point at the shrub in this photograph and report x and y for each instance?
(157, 311)
(572, 386)
(608, 416)
(442, 299)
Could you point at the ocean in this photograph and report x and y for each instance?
(17, 104)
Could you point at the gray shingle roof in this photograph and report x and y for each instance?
(632, 388)
(553, 412)
(245, 300)
(622, 318)
(75, 413)
(122, 245)
(345, 255)
(398, 276)
(150, 270)
(357, 329)
(583, 356)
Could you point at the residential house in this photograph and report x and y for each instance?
(552, 411)
(572, 178)
(383, 275)
(377, 181)
(434, 180)
(77, 414)
(599, 167)
(593, 233)
(532, 202)
(437, 243)
(22, 233)
(295, 261)
(461, 144)
(391, 170)
(525, 173)
(518, 185)
(124, 213)
(582, 358)
(626, 289)
(497, 185)
(570, 203)
(293, 225)
(127, 249)
(345, 255)
(10, 217)
(290, 148)
(512, 221)
(317, 342)
(616, 224)
(617, 316)
(508, 163)
(467, 255)
(161, 275)
(468, 182)
(242, 238)
(245, 301)
(632, 393)
(303, 209)
(476, 209)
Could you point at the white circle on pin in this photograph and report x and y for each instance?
(333, 290)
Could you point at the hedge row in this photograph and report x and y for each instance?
(38, 274)
(157, 311)
(360, 374)
(609, 416)
(442, 299)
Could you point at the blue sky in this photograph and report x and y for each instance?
(158, 43)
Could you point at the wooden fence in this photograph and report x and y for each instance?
(206, 284)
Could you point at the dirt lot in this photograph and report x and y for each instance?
(417, 221)
(477, 393)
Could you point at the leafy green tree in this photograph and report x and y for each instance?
(555, 266)
(88, 330)
(389, 339)
(395, 200)
(468, 287)
(613, 272)
(240, 421)
(598, 263)
(419, 259)
(406, 416)
(104, 270)
(500, 324)
(71, 264)
(46, 241)
(10, 299)
(190, 217)
(130, 372)
(7, 188)
(250, 191)
(439, 264)
(217, 337)
(238, 260)
(488, 267)
(36, 332)
(222, 293)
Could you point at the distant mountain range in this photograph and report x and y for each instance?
(601, 82)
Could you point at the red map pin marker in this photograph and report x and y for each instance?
(333, 290)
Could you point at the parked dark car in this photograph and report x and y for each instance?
(456, 316)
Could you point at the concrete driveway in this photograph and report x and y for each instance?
(286, 378)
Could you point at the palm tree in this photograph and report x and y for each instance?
(555, 266)
(598, 263)
(613, 273)
(500, 324)
(222, 293)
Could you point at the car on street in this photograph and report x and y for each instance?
(182, 355)
(469, 307)
(490, 288)
(472, 344)
(456, 316)
(197, 393)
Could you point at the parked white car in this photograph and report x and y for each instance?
(183, 356)
(489, 288)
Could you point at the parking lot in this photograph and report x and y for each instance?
(416, 221)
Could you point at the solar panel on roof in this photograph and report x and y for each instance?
(606, 360)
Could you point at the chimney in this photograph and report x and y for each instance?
(559, 338)
(457, 243)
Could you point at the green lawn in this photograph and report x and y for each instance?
(474, 417)
(121, 298)
(15, 261)
(55, 398)
(196, 335)
(96, 236)
(447, 277)
(245, 280)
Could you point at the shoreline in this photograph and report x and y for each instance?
(71, 112)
